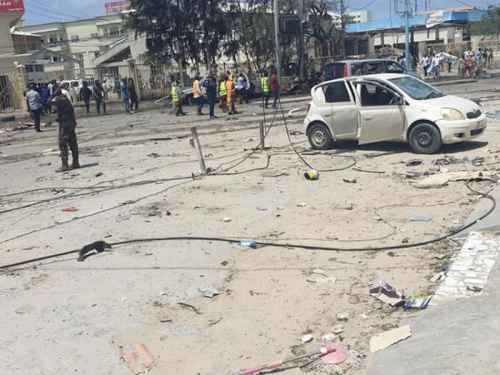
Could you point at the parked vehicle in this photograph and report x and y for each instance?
(348, 68)
(390, 107)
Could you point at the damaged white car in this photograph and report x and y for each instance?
(390, 107)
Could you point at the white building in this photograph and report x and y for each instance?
(77, 44)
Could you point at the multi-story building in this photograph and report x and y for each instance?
(75, 45)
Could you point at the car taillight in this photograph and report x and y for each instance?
(346, 71)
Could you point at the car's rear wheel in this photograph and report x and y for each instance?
(425, 138)
(320, 137)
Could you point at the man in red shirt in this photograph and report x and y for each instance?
(275, 86)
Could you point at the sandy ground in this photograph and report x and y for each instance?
(62, 316)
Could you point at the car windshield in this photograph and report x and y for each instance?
(416, 89)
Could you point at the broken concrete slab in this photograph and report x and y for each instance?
(388, 338)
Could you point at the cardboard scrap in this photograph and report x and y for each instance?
(388, 338)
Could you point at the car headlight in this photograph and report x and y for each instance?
(451, 114)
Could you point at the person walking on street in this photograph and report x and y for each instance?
(275, 87)
(211, 88)
(240, 87)
(35, 105)
(176, 94)
(100, 97)
(125, 95)
(67, 136)
(223, 93)
(230, 95)
(264, 88)
(134, 99)
(86, 95)
(45, 95)
(198, 95)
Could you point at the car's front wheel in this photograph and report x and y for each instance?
(320, 137)
(425, 138)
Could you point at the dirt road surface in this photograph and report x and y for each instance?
(61, 316)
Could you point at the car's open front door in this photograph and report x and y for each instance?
(381, 114)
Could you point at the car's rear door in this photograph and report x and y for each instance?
(380, 113)
(342, 109)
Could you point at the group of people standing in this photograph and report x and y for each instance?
(228, 90)
(468, 66)
(128, 93)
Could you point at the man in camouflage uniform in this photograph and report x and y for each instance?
(67, 136)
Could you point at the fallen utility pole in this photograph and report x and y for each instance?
(197, 144)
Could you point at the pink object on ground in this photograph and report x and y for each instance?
(337, 354)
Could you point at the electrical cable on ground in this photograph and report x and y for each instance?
(283, 245)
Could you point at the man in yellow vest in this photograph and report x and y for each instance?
(264, 88)
(176, 94)
(230, 94)
(223, 93)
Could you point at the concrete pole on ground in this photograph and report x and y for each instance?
(196, 140)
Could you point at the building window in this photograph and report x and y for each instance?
(52, 39)
(75, 38)
(29, 68)
(38, 68)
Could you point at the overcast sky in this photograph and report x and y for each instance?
(40, 11)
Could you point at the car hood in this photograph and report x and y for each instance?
(450, 101)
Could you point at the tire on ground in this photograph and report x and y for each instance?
(425, 138)
(319, 136)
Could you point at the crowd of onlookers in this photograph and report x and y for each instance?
(229, 89)
(468, 65)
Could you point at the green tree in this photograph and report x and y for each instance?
(185, 31)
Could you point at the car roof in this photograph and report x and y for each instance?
(383, 76)
(364, 60)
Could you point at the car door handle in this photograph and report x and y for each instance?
(367, 118)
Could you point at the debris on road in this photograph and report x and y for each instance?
(70, 209)
(388, 338)
(414, 162)
(338, 329)
(417, 303)
(329, 337)
(251, 244)
(311, 175)
(343, 317)
(307, 338)
(319, 276)
(350, 180)
(442, 179)
(187, 306)
(209, 292)
(421, 219)
(212, 323)
(335, 357)
(386, 294)
(138, 358)
(438, 277)
(296, 362)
